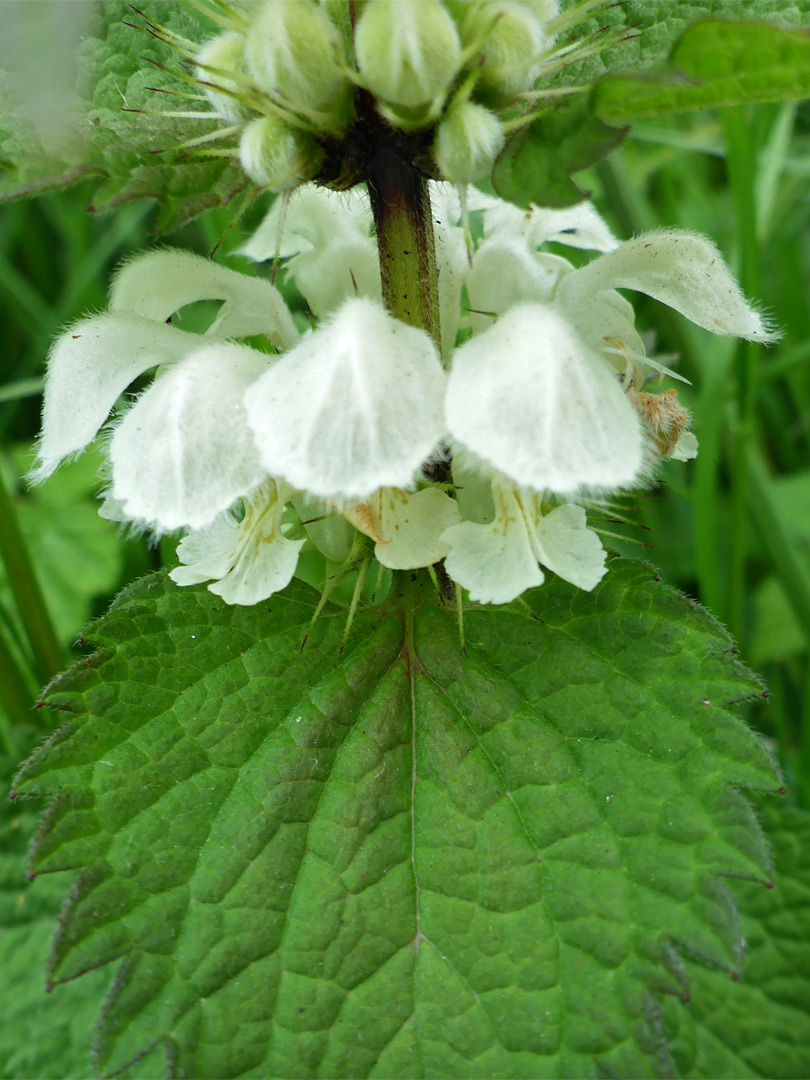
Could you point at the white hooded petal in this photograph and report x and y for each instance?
(355, 407)
(529, 398)
(327, 237)
(679, 268)
(90, 365)
(311, 219)
(410, 526)
(249, 559)
(328, 278)
(495, 562)
(183, 453)
(579, 226)
(453, 266)
(565, 545)
(505, 273)
(158, 284)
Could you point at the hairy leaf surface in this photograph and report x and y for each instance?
(115, 69)
(644, 31)
(712, 65)
(401, 860)
(41, 1034)
(760, 1026)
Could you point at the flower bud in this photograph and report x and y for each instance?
(339, 11)
(513, 39)
(294, 52)
(408, 51)
(468, 140)
(223, 53)
(543, 9)
(278, 156)
(667, 421)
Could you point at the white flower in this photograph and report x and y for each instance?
(508, 268)
(496, 562)
(183, 452)
(356, 406)
(531, 400)
(326, 236)
(579, 226)
(544, 399)
(536, 396)
(679, 268)
(250, 559)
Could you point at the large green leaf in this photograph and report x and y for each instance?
(41, 1034)
(114, 71)
(761, 1026)
(712, 65)
(403, 860)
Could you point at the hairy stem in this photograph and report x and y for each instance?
(400, 202)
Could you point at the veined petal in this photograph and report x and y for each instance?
(410, 526)
(679, 268)
(565, 545)
(158, 284)
(249, 559)
(453, 266)
(327, 278)
(90, 365)
(505, 273)
(355, 407)
(494, 562)
(183, 453)
(579, 226)
(312, 219)
(327, 237)
(532, 400)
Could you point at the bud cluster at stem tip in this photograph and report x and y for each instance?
(297, 81)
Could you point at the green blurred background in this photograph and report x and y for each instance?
(731, 529)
